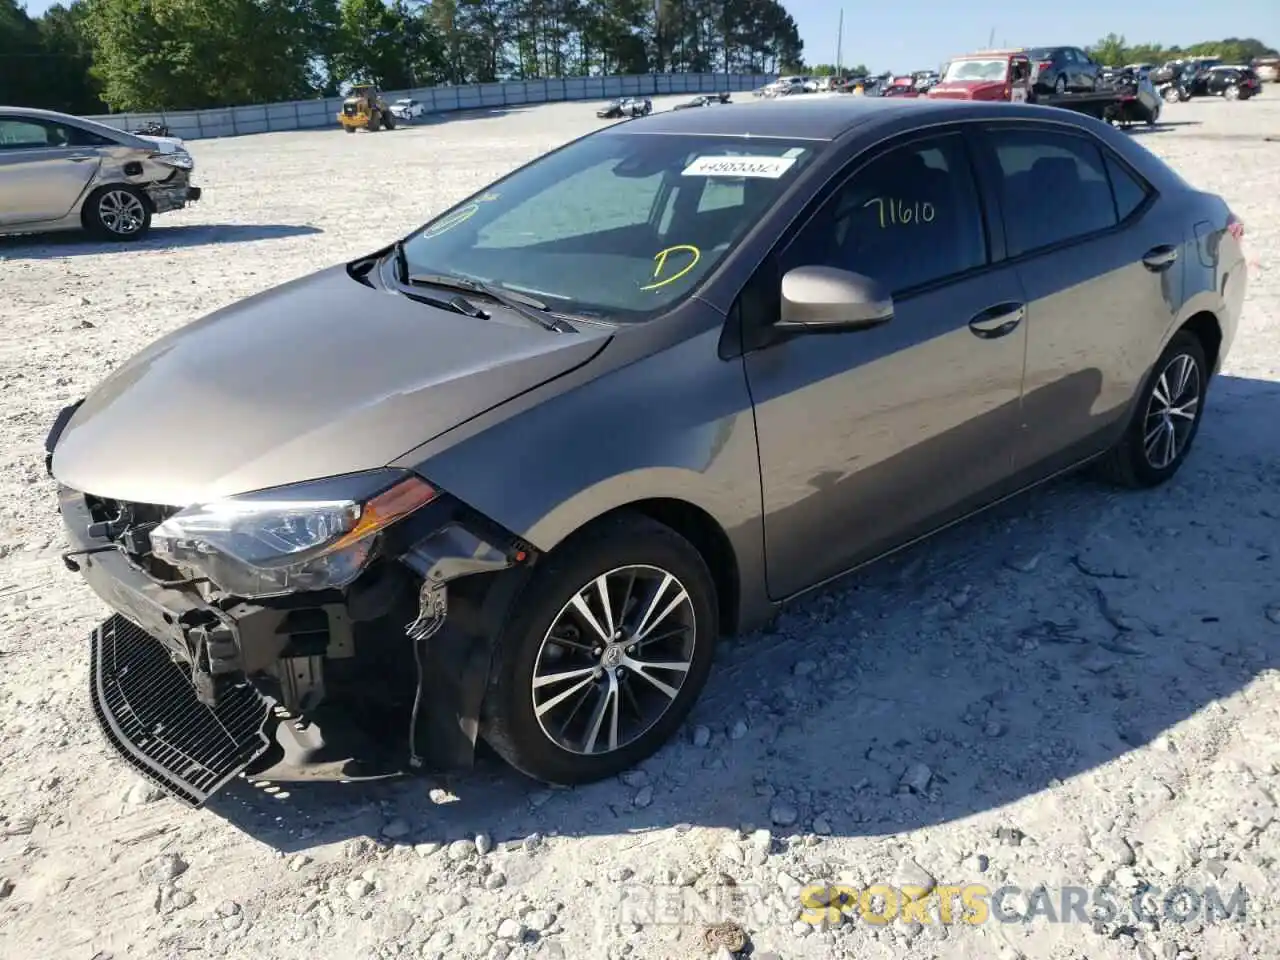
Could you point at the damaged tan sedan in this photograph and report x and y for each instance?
(59, 172)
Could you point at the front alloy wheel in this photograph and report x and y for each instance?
(606, 652)
(614, 659)
(117, 213)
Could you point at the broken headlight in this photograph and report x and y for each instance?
(178, 159)
(316, 535)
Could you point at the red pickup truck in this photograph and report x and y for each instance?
(988, 75)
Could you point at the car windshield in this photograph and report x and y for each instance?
(614, 226)
(992, 69)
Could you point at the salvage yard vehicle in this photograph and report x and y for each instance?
(1229, 81)
(703, 100)
(408, 109)
(1136, 99)
(419, 507)
(60, 172)
(1062, 70)
(626, 107)
(1010, 75)
(366, 109)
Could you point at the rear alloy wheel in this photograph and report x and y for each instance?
(1165, 420)
(1060, 85)
(606, 654)
(117, 213)
(1231, 93)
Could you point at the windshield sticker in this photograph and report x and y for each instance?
(901, 212)
(459, 216)
(660, 265)
(768, 168)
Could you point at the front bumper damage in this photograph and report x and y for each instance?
(173, 193)
(194, 689)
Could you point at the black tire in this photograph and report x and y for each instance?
(120, 212)
(1128, 464)
(1060, 85)
(349, 129)
(375, 121)
(511, 726)
(390, 119)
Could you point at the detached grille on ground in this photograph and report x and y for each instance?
(148, 709)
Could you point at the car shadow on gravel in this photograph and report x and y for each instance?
(1161, 127)
(53, 246)
(1049, 637)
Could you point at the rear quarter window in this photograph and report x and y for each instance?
(1128, 190)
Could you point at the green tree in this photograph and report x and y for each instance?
(174, 54)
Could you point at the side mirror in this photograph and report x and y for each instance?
(829, 300)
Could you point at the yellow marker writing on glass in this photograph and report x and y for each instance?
(660, 264)
(459, 216)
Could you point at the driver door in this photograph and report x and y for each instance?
(868, 438)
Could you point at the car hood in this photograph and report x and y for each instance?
(319, 377)
(968, 90)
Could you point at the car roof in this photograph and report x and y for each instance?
(821, 118)
(93, 126)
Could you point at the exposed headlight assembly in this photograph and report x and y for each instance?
(179, 159)
(317, 535)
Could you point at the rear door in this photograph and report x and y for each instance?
(44, 168)
(1100, 264)
(867, 438)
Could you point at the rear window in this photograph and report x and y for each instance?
(614, 225)
(1041, 53)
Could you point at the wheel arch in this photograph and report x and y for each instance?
(1204, 325)
(703, 532)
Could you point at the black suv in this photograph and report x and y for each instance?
(1062, 70)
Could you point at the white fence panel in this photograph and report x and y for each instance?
(316, 114)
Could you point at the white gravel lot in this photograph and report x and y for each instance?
(1080, 688)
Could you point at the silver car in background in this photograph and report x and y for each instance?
(59, 172)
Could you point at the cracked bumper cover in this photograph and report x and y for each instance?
(201, 662)
(173, 194)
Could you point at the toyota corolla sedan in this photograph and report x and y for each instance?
(513, 475)
(59, 172)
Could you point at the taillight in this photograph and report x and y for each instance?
(1044, 65)
(1235, 226)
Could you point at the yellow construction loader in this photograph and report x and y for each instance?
(365, 109)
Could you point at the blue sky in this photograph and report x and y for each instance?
(906, 35)
(919, 34)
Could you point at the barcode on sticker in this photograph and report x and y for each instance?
(770, 168)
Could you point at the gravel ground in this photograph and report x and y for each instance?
(1078, 689)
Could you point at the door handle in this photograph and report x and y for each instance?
(998, 321)
(1160, 258)
(80, 159)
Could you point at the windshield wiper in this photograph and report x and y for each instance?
(526, 306)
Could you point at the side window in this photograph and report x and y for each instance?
(76, 137)
(1054, 187)
(1128, 190)
(20, 134)
(910, 217)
